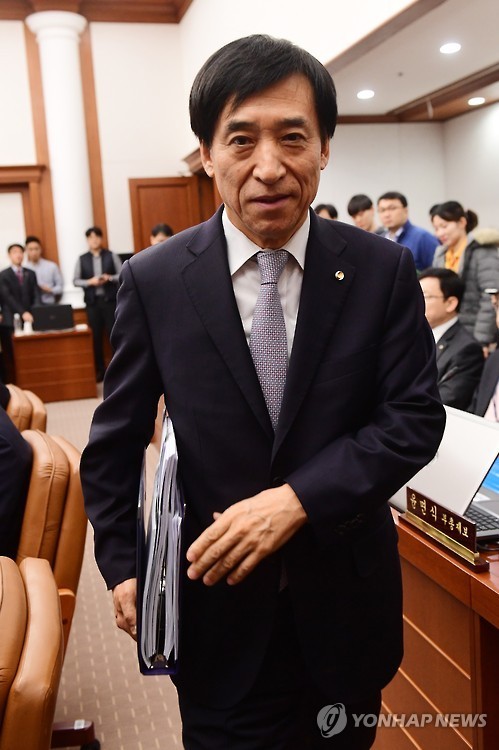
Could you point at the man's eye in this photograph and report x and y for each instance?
(293, 137)
(240, 140)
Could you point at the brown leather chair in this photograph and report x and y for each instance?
(26, 409)
(19, 407)
(54, 527)
(31, 653)
(39, 412)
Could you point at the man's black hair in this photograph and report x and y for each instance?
(393, 195)
(248, 66)
(94, 230)
(451, 285)
(358, 203)
(332, 210)
(162, 229)
(31, 238)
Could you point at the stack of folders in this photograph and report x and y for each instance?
(159, 563)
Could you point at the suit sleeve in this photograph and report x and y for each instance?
(9, 300)
(121, 429)
(359, 471)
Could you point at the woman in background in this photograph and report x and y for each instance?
(473, 254)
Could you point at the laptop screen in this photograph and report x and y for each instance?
(52, 317)
(469, 448)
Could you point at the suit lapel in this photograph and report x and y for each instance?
(444, 342)
(209, 285)
(326, 281)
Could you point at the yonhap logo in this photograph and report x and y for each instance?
(332, 720)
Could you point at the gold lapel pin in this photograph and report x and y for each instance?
(339, 275)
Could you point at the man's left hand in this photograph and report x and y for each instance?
(244, 534)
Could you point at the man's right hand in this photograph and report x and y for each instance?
(125, 612)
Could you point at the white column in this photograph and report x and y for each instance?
(58, 35)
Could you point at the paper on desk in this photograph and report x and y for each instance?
(159, 563)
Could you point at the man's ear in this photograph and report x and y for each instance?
(451, 303)
(325, 153)
(206, 160)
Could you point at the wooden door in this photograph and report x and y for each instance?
(177, 201)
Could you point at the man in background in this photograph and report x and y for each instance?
(298, 371)
(361, 209)
(48, 275)
(459, 355)
(18, 293)
(393, 213)
(326, 211)
(97, 273)
(160, 233)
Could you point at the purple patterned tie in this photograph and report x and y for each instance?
(268, 342)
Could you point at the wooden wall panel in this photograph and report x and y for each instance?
(42, 224)
(172, 200)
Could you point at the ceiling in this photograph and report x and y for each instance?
(411, 79)
(133, 11)
(400, 61)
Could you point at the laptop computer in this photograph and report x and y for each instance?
(464, 475)
(52, 317)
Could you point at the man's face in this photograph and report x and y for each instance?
(16, 255)
(437, 309)
(94, 242)
(364, 219)
(266, 157)
(160, 237)
(392, 213)
(34, 251)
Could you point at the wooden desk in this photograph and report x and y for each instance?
(451, 662)
(57, 366)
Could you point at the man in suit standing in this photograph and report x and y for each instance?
(298, 370)
(97, 272)
(459, 355)
(18, 293)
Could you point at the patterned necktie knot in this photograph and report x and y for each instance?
(271, 264)
(268, 342)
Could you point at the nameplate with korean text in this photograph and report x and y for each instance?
(455, 532)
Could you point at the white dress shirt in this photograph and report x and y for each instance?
(246, 275)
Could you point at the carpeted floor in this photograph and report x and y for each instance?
(101, 681)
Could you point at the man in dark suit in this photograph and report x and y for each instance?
(16, 458)
(97, 272)
(18, 293)
(459, 355)
(485, 401)
(291, 591)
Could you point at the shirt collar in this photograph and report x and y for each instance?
(240, 248)
(439, 331)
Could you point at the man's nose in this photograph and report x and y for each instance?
(269, 166)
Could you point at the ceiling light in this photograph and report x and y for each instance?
(475, 101)
(450, 48)
(365, 94)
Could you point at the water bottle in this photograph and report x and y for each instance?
(18, 326)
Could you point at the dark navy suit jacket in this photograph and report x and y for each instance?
(16, 297)
(460, 363)
(360, 416)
